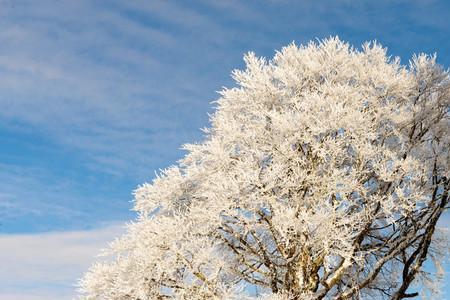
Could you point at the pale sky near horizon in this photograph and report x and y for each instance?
(98, 95)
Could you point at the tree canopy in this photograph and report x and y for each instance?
(323, 176)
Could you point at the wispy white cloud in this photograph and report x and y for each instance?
(48, 265)
(32, 199)
(97, 84)
(22, 183)
(92, 78)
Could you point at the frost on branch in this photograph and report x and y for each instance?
(323, 176)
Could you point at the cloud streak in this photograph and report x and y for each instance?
(75, 78)
(48, 265)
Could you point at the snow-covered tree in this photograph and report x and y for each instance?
(323, 176)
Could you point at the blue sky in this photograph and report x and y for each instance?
(98, 95)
